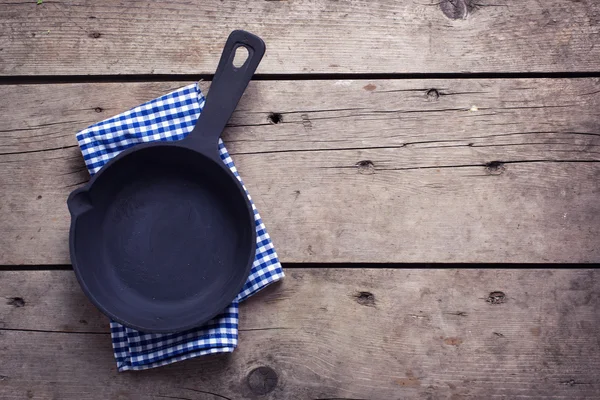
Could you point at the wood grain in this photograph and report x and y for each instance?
(303, 36)
(329, 333)
(355, 171)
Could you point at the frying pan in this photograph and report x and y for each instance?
(163, 237)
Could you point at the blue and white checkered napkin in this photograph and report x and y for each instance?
(168, 118)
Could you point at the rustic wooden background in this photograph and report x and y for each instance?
(385, 133)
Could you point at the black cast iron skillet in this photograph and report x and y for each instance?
(163, 237)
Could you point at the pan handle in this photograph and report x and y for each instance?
(226, 90)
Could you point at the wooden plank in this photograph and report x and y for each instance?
(330, 333)
(355, 171)
(303, 36)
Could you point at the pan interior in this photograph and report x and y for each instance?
(168, 239)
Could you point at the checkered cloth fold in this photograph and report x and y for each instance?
(168, 118)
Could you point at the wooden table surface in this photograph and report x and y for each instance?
(376, 136)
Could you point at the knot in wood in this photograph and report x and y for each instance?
(433, 94)
(365, 299)
(455, 9)
(275, 118)
(16, 301)
(495, 168)
(262, 380)
(496, 297)
(365, 167)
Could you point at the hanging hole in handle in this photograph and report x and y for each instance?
(240, 57)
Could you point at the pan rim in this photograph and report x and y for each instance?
(216, 307)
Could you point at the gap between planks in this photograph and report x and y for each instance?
(56, 79)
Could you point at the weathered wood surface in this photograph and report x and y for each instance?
(330, 333)
(355, 171)
(302, 36)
